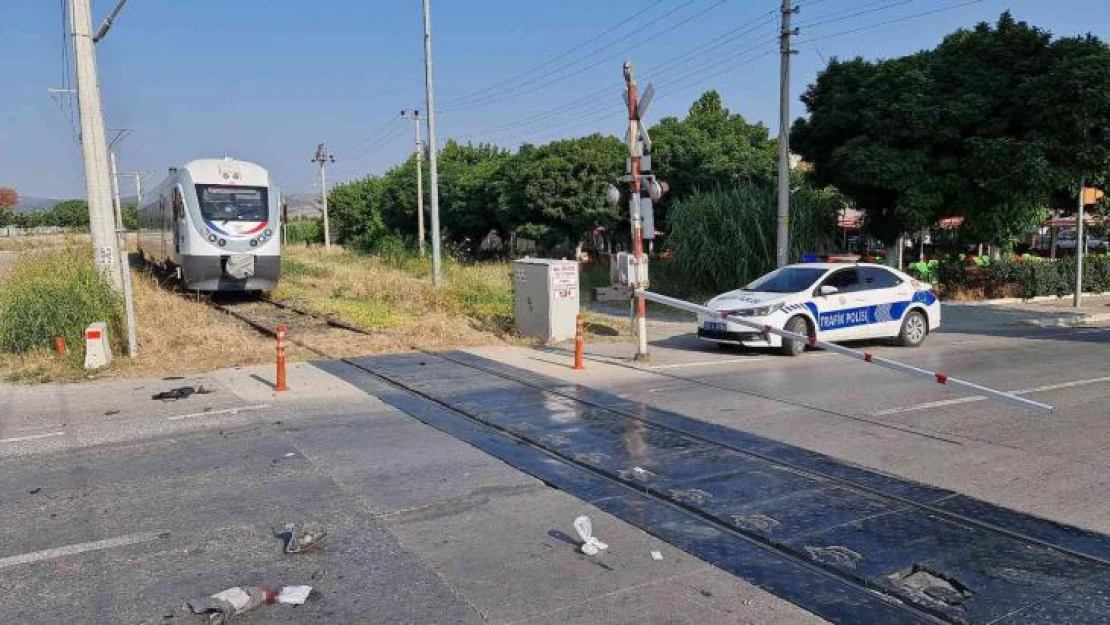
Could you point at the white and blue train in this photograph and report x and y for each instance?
(217, 223)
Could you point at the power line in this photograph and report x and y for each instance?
(543, 82)
(638, 14)
(833, 17)
(669, 66)
(892, 21)
(379, 143)
(377, 134)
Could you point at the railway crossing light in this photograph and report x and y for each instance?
(613, 195)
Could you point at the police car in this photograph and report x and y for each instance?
(837, 301)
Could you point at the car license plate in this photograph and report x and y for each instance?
(716, 326)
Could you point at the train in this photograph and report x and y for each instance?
(216, 223)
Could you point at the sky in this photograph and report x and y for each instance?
(267, 80)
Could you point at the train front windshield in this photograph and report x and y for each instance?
(227, 203)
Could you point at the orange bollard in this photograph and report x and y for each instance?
(579, 341)
(281, 385)
(60, 346)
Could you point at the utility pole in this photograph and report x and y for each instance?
(1080, 249)
(635, 152)
(322, 158)
(782, 239)
(94, 148)
(429, 92)
(125, 264)
(415, 117)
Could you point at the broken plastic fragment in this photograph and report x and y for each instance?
(224, 605)
(591, 546)
(295, 595)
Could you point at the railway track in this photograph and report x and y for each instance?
(304, 327)
(849, 544)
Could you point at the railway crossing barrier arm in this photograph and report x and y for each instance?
(867, 357)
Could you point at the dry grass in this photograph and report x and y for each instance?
(39, 241)
(395, 299)
(392, 298)
(176, 335)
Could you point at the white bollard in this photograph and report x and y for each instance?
(97, 351)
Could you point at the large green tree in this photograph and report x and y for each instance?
(561, 186)
(989, 125)
(469, 193)
(67, 214)
(355, 210)
(711, 148)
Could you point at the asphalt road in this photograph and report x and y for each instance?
(115, 508)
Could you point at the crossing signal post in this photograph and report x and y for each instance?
(644, 190)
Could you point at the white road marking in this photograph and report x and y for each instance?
(70, 550)
(194, 415)
(31, 437)
(968, 400)
(702, 363)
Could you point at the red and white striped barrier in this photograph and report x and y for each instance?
(939, 378)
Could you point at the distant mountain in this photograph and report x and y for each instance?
(31, 204)
(303, 205)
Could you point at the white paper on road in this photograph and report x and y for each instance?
(295, 595)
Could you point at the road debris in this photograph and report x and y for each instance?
(656, 555)
(591, 546)
(181, 392)
(300, 537)
(226, 604)
(294, 595)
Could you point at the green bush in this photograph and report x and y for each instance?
(304, 231)
(51, 294)
(1026, 278)
(725, 239)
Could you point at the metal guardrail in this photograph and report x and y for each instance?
(935, 376)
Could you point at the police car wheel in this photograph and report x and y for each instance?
(791, 347)
(914, 329)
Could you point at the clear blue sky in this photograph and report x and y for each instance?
(266, 80)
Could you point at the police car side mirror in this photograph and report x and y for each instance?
(827, 289)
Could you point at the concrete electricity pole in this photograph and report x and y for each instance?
(782, 244)
(322, 158)
(429, 91)
(415, 117)
(94, 147)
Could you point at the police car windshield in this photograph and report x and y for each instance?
(787, 280)
(226, 203)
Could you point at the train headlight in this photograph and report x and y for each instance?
(222, 243)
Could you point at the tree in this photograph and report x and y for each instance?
(710, 149)
(8, 199)
(562, 186)
(468, 199)
(68, 214)
(355, 210)
(130, 216)
(989, 125)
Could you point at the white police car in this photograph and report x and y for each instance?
(838, 301)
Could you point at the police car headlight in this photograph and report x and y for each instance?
(762, 311)
(765, 310)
